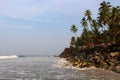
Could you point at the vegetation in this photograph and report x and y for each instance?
(99, 43)
(105, 29)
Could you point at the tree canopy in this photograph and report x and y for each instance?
(105, 28)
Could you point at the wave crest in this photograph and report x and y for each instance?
(8, 57)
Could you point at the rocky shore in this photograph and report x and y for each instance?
(100, 56)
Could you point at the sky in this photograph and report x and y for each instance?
(41, 27)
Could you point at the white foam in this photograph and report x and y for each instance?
(8, 57)
(87, 68)
(64, 63)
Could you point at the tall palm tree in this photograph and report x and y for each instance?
(84, 23)
(73, 42)
(115, 17)
(88, 14)
(85, 30)
(95, 25)
(96, 31)
(104, 16)
(104, 13)
(114, 24)
(74, 29)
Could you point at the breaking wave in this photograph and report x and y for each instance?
(8, 57)
(63, 63)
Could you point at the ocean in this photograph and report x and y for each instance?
(48, 68)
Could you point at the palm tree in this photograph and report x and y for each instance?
(73, 42)
(115, 17)
(114, 25)
(88, 14)
(104, 13)
(74, 29)
(96, 31)
(85, 30)
(104, 16)
(84, 23)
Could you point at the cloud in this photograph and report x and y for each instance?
(34, 8)
(45, 11)
(21, 9)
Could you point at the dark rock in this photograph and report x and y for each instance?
(100, 56)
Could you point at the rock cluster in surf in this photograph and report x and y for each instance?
(107, 57)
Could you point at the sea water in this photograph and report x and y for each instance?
(49, 68)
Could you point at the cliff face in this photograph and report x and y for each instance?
(107, 57)
(68, 52)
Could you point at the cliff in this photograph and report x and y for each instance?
(100, 56)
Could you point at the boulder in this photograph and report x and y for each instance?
(114, 54)
(117, 68)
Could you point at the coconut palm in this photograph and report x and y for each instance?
(104, 13)
(96, 32)
(88, 14)
(107, 25)
(114, 24)
(84, 23)
(74, 29)
(104, 16)
(73, 42)
(115, 17)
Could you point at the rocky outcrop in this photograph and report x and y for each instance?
(107, 57)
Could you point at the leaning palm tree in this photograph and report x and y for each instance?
(88, 16)
(74, 29)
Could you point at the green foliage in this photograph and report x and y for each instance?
(73, 42)
(104, 29)
(73, 29)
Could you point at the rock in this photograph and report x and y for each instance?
(117, 68)
(114, 54)
(112, 67)
(107, 57)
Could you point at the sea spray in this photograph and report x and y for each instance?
(63, 63)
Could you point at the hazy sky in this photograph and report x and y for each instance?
(40, 27)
